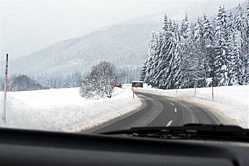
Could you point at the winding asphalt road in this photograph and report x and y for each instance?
(160, 111)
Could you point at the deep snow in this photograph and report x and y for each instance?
(64, 109)
(231, 101)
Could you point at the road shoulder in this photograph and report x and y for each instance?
(206, 105)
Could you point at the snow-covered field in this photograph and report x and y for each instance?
(64, 109)
(232, 102)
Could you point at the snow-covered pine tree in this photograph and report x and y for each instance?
(185, 29)
(166, 67)
(187, 52)
(199, 52)
(163, 62)
(245, 45)
(208, 40)
(238, 72)
(242, 25)
(151, 61)
(143, 72)
(208, 32)
(232, 54)
(166, 23)
(238, 18)
(220, 65)
(183, 54)
(177, 67)
(238, 40)
(157, 62)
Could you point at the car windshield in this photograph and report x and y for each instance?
(93, 66)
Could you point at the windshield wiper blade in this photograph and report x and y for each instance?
(189, 131)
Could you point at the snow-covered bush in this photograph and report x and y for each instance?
(98, 83)
(24, 83)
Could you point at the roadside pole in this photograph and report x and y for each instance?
(133, 93)
(4, 116)
(212, 89)
(195, 87)
(213, 93)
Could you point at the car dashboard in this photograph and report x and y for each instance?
(23, 147)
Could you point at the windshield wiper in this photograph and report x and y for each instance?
(189, 131)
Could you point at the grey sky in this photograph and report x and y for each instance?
(29, 25)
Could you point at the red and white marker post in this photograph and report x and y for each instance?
(4, 116)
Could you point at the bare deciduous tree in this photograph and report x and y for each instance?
(99, 81)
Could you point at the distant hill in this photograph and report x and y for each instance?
(123, 45)
(24, 83)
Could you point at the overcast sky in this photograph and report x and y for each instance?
(29, 25)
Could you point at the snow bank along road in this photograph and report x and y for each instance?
(64, 109)
(161, 110)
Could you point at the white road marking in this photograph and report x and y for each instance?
(169, 123)
(172, 104)
(175, 109)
